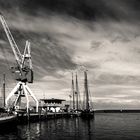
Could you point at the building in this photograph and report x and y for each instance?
(52, 105)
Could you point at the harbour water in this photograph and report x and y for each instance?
(105, 126)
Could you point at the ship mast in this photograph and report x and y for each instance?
(77, 93)
(3, 90)
(86, 91)
(73, 92)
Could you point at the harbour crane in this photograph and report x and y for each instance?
(23, 70)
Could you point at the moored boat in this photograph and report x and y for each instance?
(7, 121)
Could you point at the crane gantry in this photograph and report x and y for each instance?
(23, 70)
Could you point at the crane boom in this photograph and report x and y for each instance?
(12, 42)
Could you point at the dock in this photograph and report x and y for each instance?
(33, 117)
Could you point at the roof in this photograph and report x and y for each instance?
(57, 101)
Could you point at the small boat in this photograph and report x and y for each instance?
(7, 117)
(7, 120)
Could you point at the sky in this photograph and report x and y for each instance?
(101, 36)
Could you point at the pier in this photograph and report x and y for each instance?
(34, 117)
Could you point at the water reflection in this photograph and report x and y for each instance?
(58, 129)
(29, 131)
(104, 126)
(38, 128)
(8, 132)
(89, 128)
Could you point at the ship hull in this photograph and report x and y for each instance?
(8, 122)
(87, 114)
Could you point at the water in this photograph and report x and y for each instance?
(105, 126)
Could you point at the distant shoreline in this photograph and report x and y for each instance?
(117, 111)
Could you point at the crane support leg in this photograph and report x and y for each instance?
(22, 87)
(32, 95)
(17, 99)
(12, 93)
(26, 95)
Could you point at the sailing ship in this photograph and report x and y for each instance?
(87, 112)
(75, 106)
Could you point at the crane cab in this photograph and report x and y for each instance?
(24, 75)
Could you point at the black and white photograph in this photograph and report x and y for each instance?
(69, 70)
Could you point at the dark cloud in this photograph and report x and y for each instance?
(51, 56)
(48, 55)
(83, 9)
